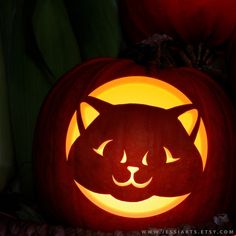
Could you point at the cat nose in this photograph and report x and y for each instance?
(132, 169)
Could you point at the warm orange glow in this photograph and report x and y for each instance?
(141, 90)
(169, 157)
(148, 91)
(88, 114)
(131, 180)
(124, 158)
(72, 134)
(201, 143)
(188, 120)
(144, 160)
(100, 149)
(149, 207)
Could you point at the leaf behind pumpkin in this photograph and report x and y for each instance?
(27, 87)
(96, 26)
(6, 146)
(54, 36)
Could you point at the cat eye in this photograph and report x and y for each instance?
(144, 160)
(100, 149)
(124, 158)
(169, 158)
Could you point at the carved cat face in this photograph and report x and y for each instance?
(135, 151)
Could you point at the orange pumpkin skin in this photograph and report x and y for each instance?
(192, 21)
(54, 176)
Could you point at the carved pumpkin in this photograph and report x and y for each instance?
(120, 146)
(192, 21)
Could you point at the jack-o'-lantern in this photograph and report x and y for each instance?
(191, 21)
(120, 146)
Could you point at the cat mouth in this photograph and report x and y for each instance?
(152, 206)
(131, 181)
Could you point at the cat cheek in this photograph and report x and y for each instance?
(156, 161)
(120, 173)
(143, 175)
(115, 156)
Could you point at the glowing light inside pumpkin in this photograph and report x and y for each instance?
(131, 181)
(188, 120)
(139, 90)
(100, 149)
(149, 207)
(88, 114)
(169, 157)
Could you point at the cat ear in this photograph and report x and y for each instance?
(97, 104)
(189, 118)
(90, 109)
